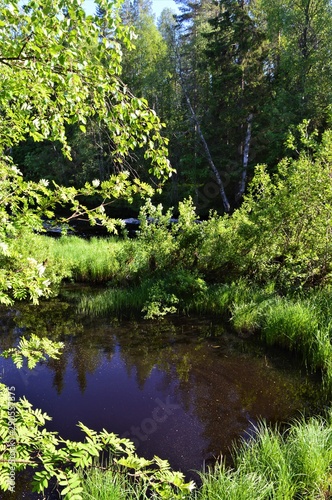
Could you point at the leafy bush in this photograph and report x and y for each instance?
(175, 291)
(55, 458)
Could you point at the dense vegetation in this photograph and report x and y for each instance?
(228, 78)
(244, 89)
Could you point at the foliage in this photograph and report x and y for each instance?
(59, 68)
(49, 81)
(33, 350)
(22, 203)
(282, 231)
(22, 432)
(264, 59)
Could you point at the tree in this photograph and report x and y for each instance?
(142, 67)
(186, 45)
(298, 68)
(235, 63)
(58, 69)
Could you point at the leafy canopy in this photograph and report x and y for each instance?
(58, 67)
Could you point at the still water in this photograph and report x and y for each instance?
(181, 388)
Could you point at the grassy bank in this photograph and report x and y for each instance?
(274, 465)
(140, 279)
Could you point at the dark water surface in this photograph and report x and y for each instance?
(180, 388)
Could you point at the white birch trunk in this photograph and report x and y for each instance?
(208, 154)
(244, 175)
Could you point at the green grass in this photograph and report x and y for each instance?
(295, 464)
(292, 323)
(300, 323)
(110, 485)
(95, 260)
(141, 283)
(225, 484)
(115, 301)
(272, 465)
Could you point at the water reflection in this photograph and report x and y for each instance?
(178, 388)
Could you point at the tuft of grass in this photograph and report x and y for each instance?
(115, 301)
(276, 466)
(216, 300)
(110, 485)
(265, 454)
(301, 327)
(94, 260)
(309, 450)
(249, 305)
(291, 324)
(236, 484)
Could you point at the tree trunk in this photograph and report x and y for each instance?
(246, 148)
(207, 152)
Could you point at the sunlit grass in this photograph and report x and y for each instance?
(266, 455)
(276, 465)
(115, 301)
(292, 323)
(271, 465)
(223, 483)
(110, 485)
(94, 260)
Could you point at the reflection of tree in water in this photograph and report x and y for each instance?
(86, 352)
(10, 332)
(58, 366)
(214, 383)
(85, 360)
(57, 320)
(53, 319)
(145, 346)
(230, 393)
(218, 382)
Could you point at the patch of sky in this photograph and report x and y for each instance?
(157, 6)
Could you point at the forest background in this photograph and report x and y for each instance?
(229, 79)
(244, 98)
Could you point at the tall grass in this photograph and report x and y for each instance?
(276, 466)
(271, 465)
(300, 323)
(111, 485)
(292, 324)
(226, 484)
(115, 301)
(267, 455)
(96, 260)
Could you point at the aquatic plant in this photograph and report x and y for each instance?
(115, 301)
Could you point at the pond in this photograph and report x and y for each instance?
(182, 388)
